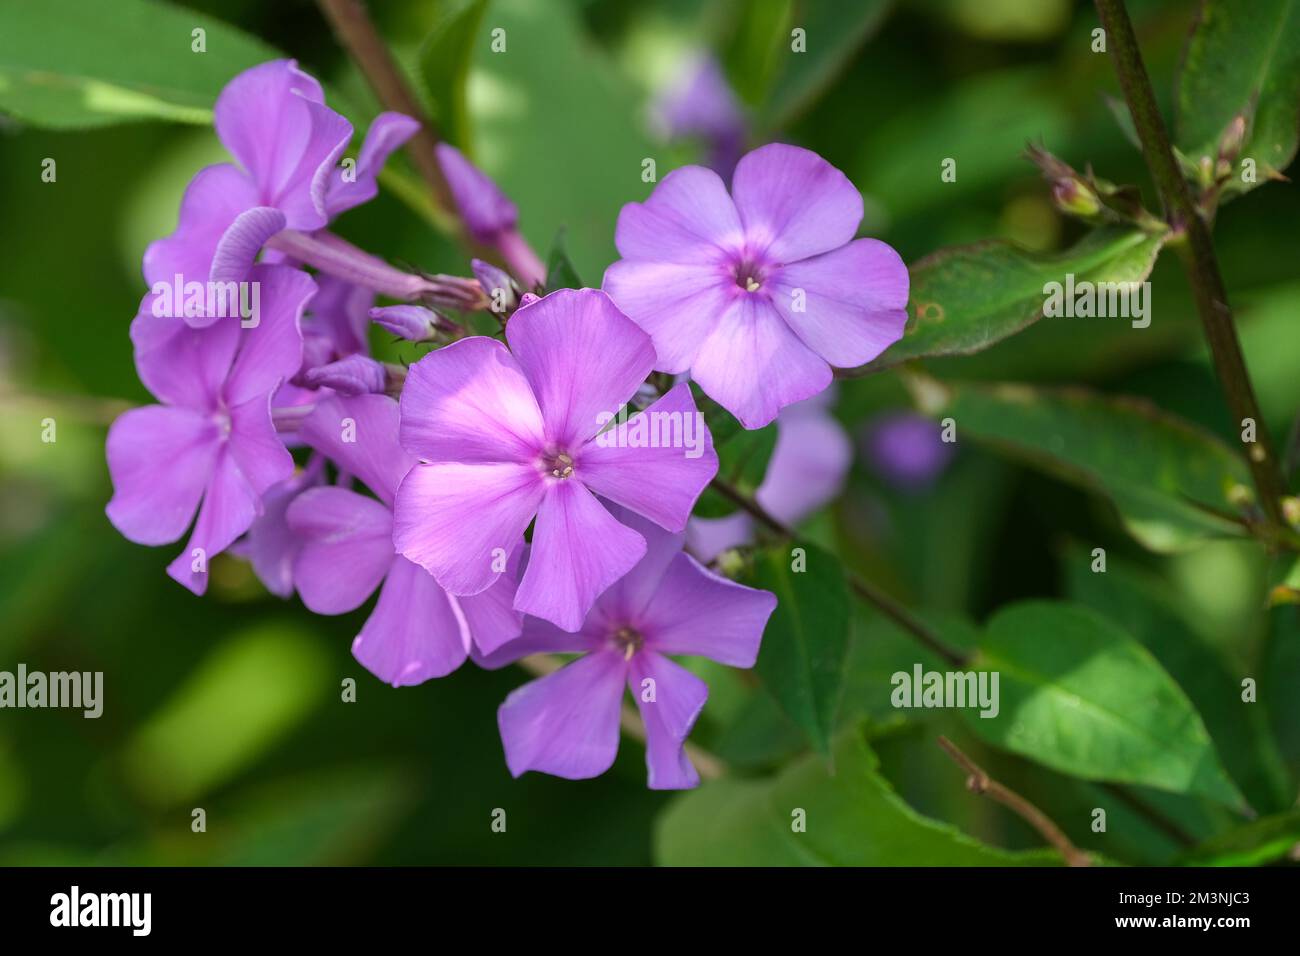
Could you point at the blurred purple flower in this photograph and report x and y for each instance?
(213, 438)
(906, 450)
(701, 104)
(567, 723)
(760, 292)
(507, 435)
(417, 631)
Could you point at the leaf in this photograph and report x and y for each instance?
(1079, 695)
(1243, 60)
(77, 63)
(743, 455)
(1259, 842)
(444, 64)
(966, 298)
(1134, 599)
(560, 273)
(802, 658)
(1168, 478)
(854, 818)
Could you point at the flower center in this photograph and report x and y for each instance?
(749, 276)
(558, 465)
(629, 640)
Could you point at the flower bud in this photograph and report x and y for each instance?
(411, 322)
(483, 207)
(353, 375)
(497, 285)
(1075, 197)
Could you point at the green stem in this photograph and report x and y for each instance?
(1199, 259)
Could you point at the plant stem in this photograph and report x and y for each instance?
(981, 782)
(710, 767)
(357, 34)
(862, 588)
(1198, 256)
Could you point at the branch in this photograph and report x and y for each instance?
(709, 766)
(981, 782)
(1198, 256)
(862, 588)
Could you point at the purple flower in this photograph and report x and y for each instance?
(809, 463)
(417, 631)
(273, 119)
(567, 723)
(270, 545)
(760, 292)
(410, 322)
(213, 438)
(702, 104)
(354, 375)
(906, 450)
(506, 435)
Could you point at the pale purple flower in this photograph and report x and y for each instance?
(213, 439)
(567, 723)
(273, 120)
(417, 631)
(808, 467)
(701, 104)
(758, 293)
(270, 545)
(506, 435)
(906, 450)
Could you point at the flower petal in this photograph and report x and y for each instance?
(160, 460)
(229, 507)
(582, 357)
(689, 218)
(490, 615)
(413, 634)
(627, 597)
(270, 545)
(706, 538)
(656, 463)
(484, 208)
(698, 612)
(179, 364)
(387, 132)
(255, 446)
(462, 522)
(808, 467)
(239, 247)
(359, 434)
(271, 350)
(212, 201)
(539, 637)
(347, 548)
(793, 203)
(566, 723)
(578, 550)
(854, 301)
(676, 697)
(676, 304)
(470, 402)
(753, 365)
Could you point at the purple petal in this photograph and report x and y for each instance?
(256, 448)
(484, 208)
(271, 351)
(578, 550)
(353, 375)
(540, 637)
(700, 613)
(213, 200)
(238, 248)
(462, 522)
(582, 357)
(793, 203)
(627, 597)
(386, 134)
(359, 434)
(811, 459)
(340, 312)
(470, 402)
(270, 545)
(706, 538)
(347, 548)
(676, 304)
(661, 483)
(490, 615)
(160, 460)
(413, 634)
(753, 365)
(678, 697)
(689, 218)
(181, 365)
(907, 450)
(229, 507)
(566, 723)
(854, 302)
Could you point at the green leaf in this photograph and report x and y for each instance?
(444, 64)
(853, 818)
(966, 298)
(1079, 695)
(77, 63)
(743, 455)
(802, 658)
(1168, 478)
(560, 273)
(1262, 841)
(1243, 60)
(1147, 609)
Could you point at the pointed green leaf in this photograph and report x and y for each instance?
(445, 57)
(560, 273)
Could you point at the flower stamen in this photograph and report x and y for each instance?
(629, 639)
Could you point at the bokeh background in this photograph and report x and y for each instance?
(232, 702)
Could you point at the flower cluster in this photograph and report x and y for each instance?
(495, 494)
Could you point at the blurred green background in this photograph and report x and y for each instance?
(232, 703)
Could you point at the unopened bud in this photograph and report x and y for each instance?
(1075, 197)
(411, 322)
(354, 375)
(497, 284)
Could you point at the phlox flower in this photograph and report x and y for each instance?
(506, 435)
(758, 293)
